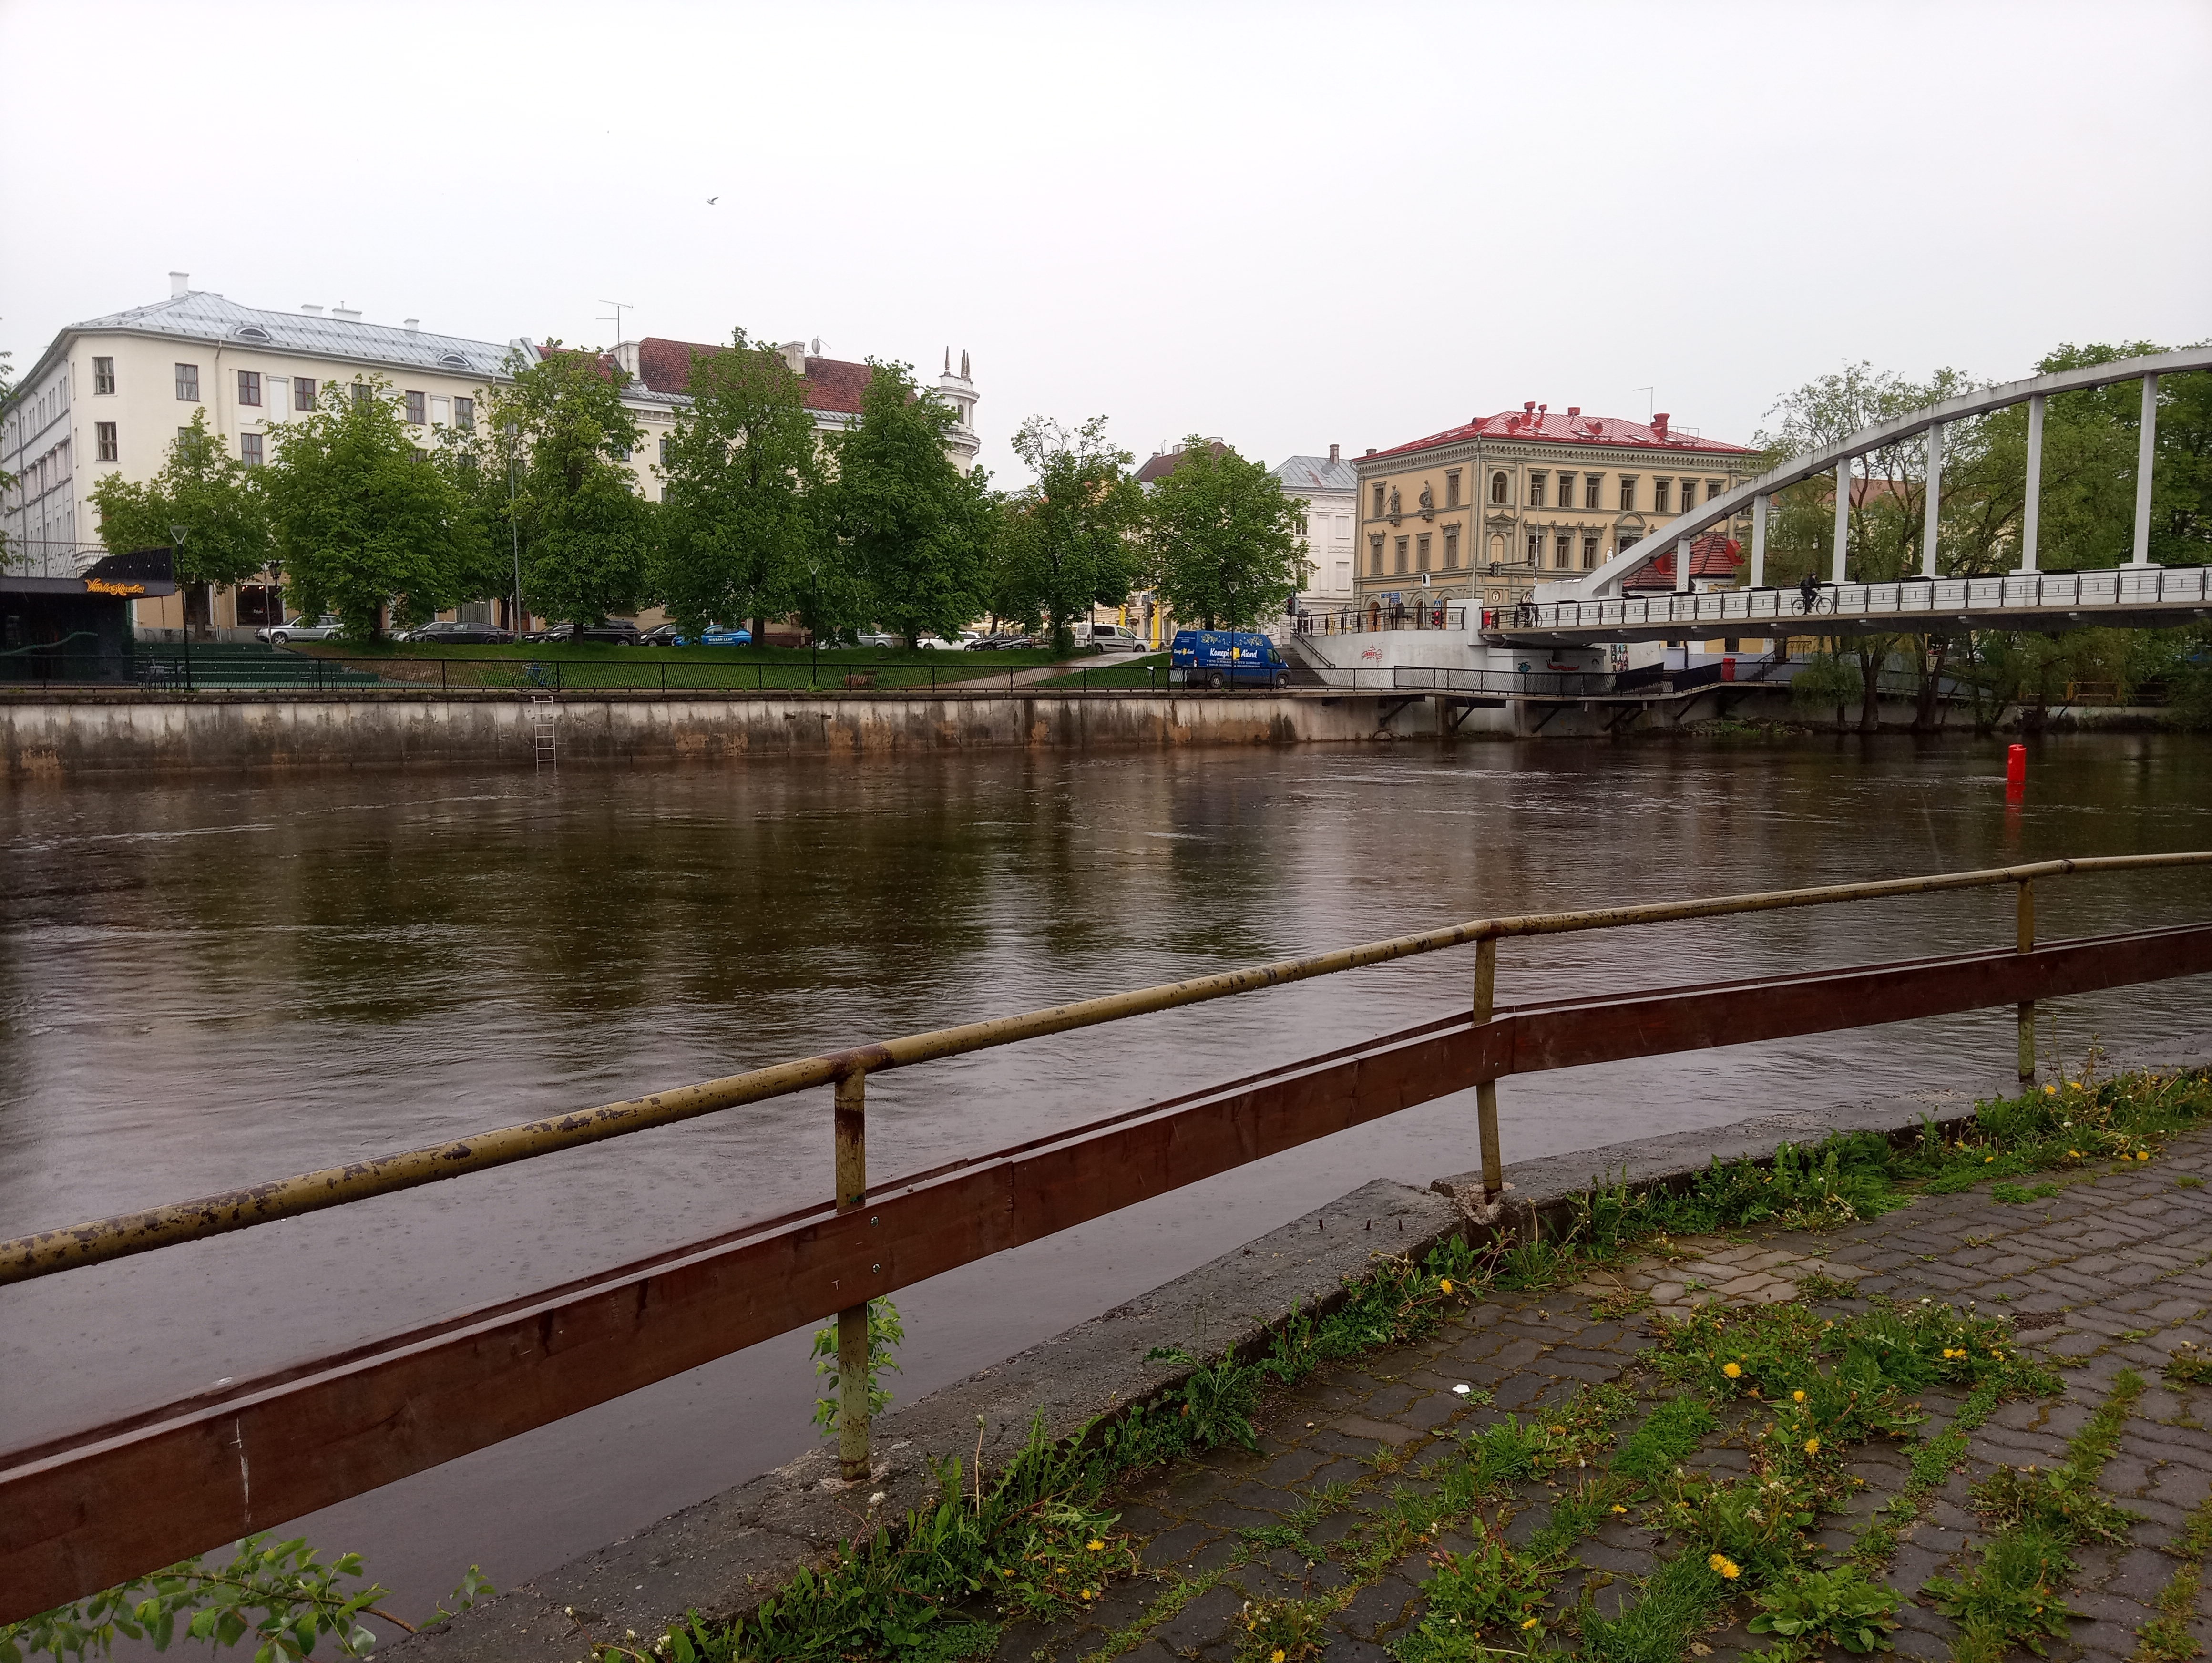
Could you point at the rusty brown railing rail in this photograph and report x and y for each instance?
(111, 1502)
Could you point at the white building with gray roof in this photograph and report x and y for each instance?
(1330, 486)
(109, 393)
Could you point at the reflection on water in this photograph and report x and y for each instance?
(207, 982)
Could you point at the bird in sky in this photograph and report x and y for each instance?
(711, 201)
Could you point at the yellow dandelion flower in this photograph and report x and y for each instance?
(2142, 1154)
(2051, 1091)
(1733, 1370)
(1988, 1160)
(1797, 1396)
(1530, 1624)
(1095, 1544)
(1617, 1508)
(1557, 1431)
(1086, 1594)
(2075, 1154)
(1812, 1445)
(1726, 1566)
(1445, 1284)
(1278, 1656)
(1008, 1571)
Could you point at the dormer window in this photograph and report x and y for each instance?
(454, 361)
(251, 332)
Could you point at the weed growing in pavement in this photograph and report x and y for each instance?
(2189, 1366)
(2013, 1596)
(2168, 1637)
(1287, 1631)
(1820, 1285)
(1838, 1607)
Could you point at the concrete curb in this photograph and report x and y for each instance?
(723, 1555)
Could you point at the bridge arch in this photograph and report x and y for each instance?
(1835, 459)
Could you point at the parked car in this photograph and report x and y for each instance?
(938, 643)
(458, 634)
(279, 634)
(618, 631)
(1226, 658)
(877, 638)
(1110, 638)
(663, 635)
(718, 635)
(1001, 642)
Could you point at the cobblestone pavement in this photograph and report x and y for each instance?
(2110, 1272)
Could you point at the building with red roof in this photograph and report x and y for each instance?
(1481, 513)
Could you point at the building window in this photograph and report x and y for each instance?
(103, 437)
(1591, 483)
(1627, 493)
(1689, 495)
(1451, 548)
(1559, 547)
(303, 392)
(1590, 554)
(1629, 540)
(361, 392)
(103, 374)
(188, 382)
(1375, 557)
(1377, 515)
(249, 449)
(1497, 487)
(1714, 488)
(249, 388)
(1451, 488)
(1659, 495)
(415, 413)
(664, 450)
(1535, 549)
(1421, 553)
(465, 414)
(1401, 552)
(1536, 491)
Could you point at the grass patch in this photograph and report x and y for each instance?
(1149, 671)
(591, 665)
(2189, 1366)
(2013, 1596)
(2167, 1637)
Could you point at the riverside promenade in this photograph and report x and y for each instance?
(1332, 1537)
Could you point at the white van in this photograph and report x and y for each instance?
(1110, 637)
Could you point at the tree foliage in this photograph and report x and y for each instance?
(586, 532)
(917, 530)
(362, 517)
(741, 531)
(1064, 540)
(1224, 544)
(200, 490)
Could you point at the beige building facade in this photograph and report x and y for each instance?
(1479, 514)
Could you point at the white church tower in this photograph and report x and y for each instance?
(959, 391)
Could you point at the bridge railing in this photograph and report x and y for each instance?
(97, 1507)
(1948, 598)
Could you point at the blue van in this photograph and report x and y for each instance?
(1225, 658)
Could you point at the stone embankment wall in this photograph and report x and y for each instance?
(65, 734)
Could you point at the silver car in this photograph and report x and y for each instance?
(279, 634)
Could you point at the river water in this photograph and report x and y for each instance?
(210, 982)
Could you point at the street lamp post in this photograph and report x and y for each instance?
(514, 535)
(183, 598)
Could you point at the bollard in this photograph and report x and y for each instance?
(853, 1321)
(1486, 1091)
(2024, 940)
(2016, 772)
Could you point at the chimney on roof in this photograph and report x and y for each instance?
(411, 324)
(795, 356)
(181, 284)
(1659, 424)
(1529, 408)
(1370, 450)
(351, 315)
(1573, 411)
(1542, 410)
(312, 311)
(1331, 454)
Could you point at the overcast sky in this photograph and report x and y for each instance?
(1286, 226)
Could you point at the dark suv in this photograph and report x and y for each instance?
(461, 634)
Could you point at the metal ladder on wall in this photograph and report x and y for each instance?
(544, 714)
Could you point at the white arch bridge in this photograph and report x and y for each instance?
(2138, 594)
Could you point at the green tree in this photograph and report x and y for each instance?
(917, 529)
(1066, 544)
(741, 521)
(1224, 544)
(202, 490)
(486, 531)
(586, 532)
(363, 517)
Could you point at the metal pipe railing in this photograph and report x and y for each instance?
(48, 1252)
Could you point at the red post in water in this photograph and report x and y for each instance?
(2015, 771)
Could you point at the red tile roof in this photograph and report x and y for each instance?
(1164, 462)
(1540, 427)
(832, 384)
(1711, 556)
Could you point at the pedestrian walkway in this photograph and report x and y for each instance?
(1328, 1523)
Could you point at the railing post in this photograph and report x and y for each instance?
(1486, 1091)
(2025, 940)
(852, 1120)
